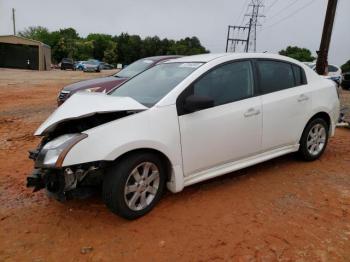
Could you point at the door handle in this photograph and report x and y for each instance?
(302, 98)
(252, 112)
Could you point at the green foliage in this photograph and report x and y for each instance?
(346, 67)
(123, 49)
(38, 33)
(84, 49)
(301, 54)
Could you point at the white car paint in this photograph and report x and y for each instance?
(86, 103)
(219, 126)
(207, 143)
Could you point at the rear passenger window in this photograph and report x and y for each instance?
(275, 76)
(299, 75)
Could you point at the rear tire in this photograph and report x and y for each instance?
(134, 186)
(314, 139)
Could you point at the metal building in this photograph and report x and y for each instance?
(23, 53)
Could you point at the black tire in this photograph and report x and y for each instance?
(116, 178)
(303, 150)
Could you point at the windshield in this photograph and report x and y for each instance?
(135, 68)
(152, 85)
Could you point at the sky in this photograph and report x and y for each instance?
(286, 22)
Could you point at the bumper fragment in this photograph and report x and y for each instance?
(36, 180)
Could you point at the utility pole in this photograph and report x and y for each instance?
(255, 5)
(248, 38)
(234, 41)
(322, 59)
(249, 29)
(14, 21)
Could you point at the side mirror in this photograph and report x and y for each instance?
(195, 103)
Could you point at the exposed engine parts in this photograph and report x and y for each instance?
(67, 183)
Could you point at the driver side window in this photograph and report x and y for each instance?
(227, 83)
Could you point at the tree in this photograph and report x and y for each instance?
(84, 50)
(301, 54)
(102, 43)
(123, 49)
(130, 48)
(110, 55)
(38, 33)
(188, 46)
(346, 67)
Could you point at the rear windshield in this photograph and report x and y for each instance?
(135, 68)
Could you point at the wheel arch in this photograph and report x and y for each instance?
(323, 115)
(164, 158)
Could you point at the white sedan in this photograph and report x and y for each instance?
(182, 122)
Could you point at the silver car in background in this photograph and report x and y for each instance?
(92, 66)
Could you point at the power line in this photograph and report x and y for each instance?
(270, 6)
(283, 9)
(246, 11)
(289, 16)
(242, 11)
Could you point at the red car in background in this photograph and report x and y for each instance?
(105, 84)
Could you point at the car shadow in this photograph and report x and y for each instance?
(95, 205)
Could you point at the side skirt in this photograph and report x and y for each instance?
(239, 164)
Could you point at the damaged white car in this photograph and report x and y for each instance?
(182, 122)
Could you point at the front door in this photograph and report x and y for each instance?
(228, 131)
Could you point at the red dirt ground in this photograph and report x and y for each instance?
(281, 210)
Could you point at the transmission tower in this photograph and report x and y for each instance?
(255, 7)
(248, 30)
(236, 40)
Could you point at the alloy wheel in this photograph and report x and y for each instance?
(141, 186)
(316, 139)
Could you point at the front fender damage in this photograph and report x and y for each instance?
(70, 182)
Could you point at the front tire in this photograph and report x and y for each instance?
(134, 186)
(314, 139)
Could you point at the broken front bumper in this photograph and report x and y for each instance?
(67, 183)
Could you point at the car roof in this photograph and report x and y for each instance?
(204, 58)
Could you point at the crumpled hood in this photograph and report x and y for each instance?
(104, 82)
(83, 104)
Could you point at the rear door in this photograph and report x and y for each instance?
(286, 101)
